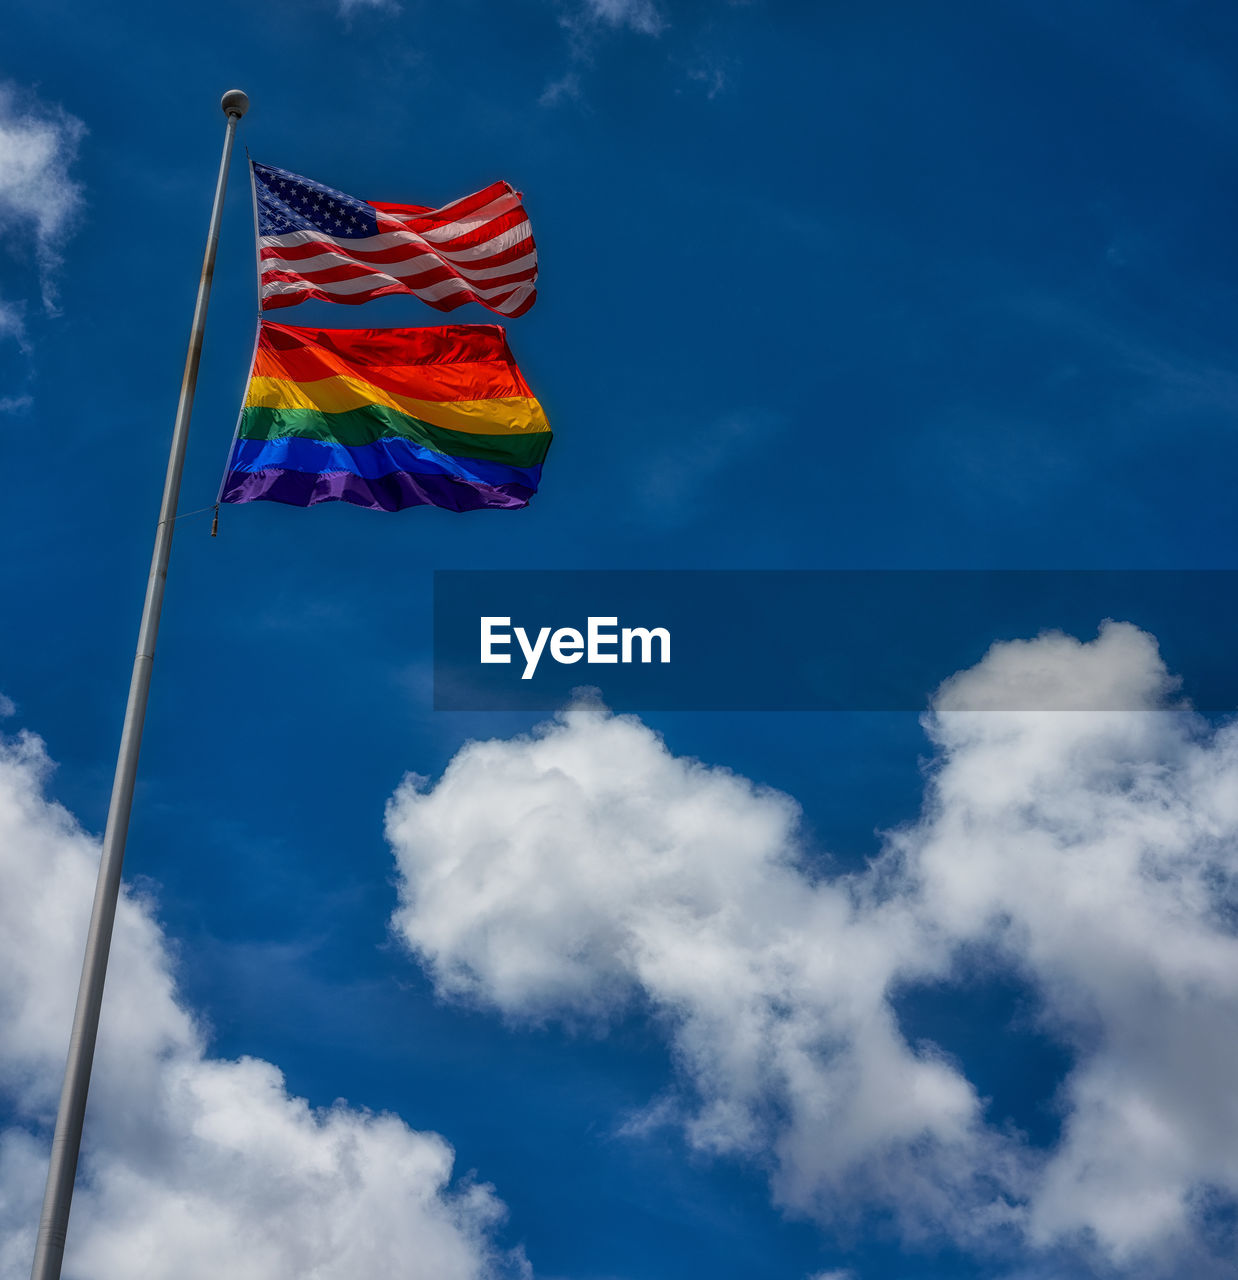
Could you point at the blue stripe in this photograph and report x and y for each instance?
(288, 202)
(372, 461)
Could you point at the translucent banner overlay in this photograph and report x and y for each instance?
(806, 640)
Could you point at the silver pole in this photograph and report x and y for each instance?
(54, 1223)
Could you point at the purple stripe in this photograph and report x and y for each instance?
(386, 493)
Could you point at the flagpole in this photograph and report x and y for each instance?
(240, 413)
(54, 1222)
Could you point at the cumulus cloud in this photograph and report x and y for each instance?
(38, 199)
(194, 1167)
(1099, 851)
(584, 870)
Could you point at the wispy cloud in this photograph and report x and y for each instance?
(589, 23)
(585, 870)
(639, 15)
(13, 322)
(586, 22)
(38, 198)
(710, 76)
(567, 86)
(676, 477)
(350, 8)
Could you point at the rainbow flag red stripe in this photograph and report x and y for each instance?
(386, 419)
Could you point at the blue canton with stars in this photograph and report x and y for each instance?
(287, 202)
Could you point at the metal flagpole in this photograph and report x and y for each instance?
(54, 1223)
(240, 413)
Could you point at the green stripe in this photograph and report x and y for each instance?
(377, 422)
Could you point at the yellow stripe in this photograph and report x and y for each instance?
(510, 416)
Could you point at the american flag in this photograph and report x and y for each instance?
(316, 242)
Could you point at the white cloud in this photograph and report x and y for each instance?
(574, 872)
(1099, 850)
(569, 873)
(586, 22)
(710, 76)
(13, 322)
(639, 15)
(194, 1167)
(688, 466)
(38, 198)
(15, 404)
(348, 8)
(566, 86)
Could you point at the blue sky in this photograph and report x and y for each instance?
(821, 287)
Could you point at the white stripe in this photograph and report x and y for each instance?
(384, 241)
(363, 284)
(509, 305)
(461, 226)
(411, 267)
(488, 248)
(508, 189)
(422, 263)
(391, 239)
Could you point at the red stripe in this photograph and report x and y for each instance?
(521, 249)
(450, 303)
(522, 308)
(435, 273)
(355, 299)
(415, 265)
(386, 348)
(418, 286)
(395, 254)
(447, 302)
(487, 231)
(447, 362)
(430, 218)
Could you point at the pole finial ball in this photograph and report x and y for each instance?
(234, 103)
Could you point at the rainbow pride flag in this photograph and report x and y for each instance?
(387, 418)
